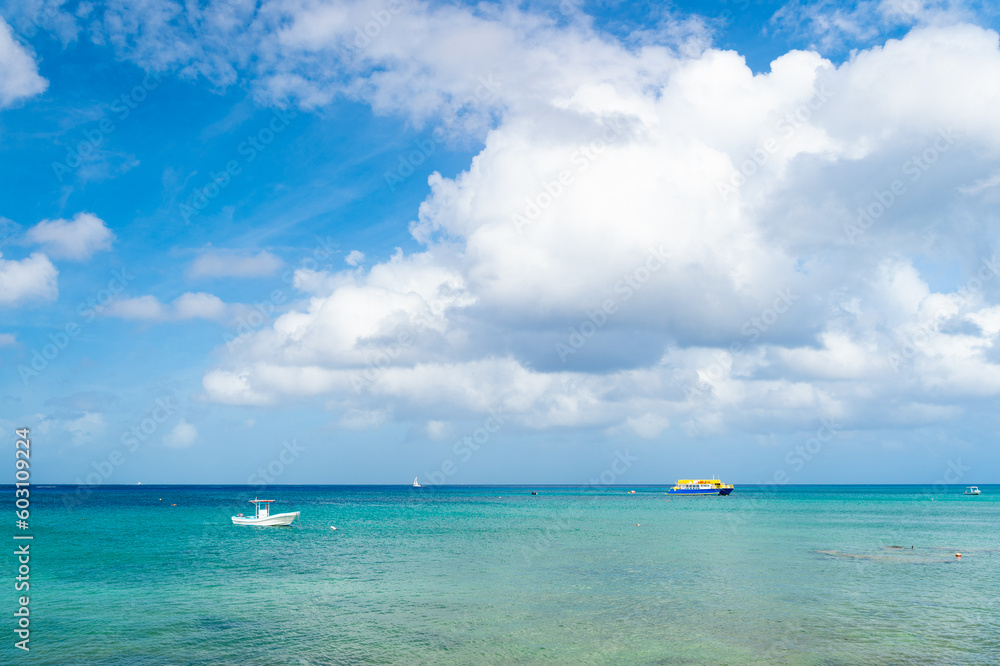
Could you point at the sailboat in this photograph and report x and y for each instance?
(415, 483)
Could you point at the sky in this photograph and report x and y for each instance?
(300, 241)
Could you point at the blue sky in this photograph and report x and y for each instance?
(500, 243)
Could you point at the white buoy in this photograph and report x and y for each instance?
(332, 527)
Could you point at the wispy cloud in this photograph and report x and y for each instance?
(182, 436)
(219, 264)
(190, 305)
(87, 428)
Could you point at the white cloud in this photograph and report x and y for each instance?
(19, 77)
(232, 388)
(32, 278)
(987, 319)
(8, 228)
(981, 185)
(647, 426)
(215, 264)
(44, 424)
(7, 339)
(550, 230)
(839, 357)
(363, 419)
(77, 239)
(87, 428)
(189, 305)
(592, 155)
(832, 25)
(143, 307)
(438, 430)
(354, 258)
(182, 436)
(199, 306)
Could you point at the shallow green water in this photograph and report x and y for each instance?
(797, 575)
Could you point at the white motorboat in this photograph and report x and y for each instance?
(263, 515)
(415, 484)
(973, 490)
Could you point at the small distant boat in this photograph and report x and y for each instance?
(700, 487)
(415, 484)
(263, 515)
(973, 490)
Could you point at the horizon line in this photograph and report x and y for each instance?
(475, 485)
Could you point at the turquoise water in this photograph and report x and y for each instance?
(797, 575)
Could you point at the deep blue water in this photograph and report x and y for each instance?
(794, 575)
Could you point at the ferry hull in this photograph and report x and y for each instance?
(701, 491)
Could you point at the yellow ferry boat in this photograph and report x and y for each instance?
(700, 487)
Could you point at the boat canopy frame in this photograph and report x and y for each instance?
(261, 511)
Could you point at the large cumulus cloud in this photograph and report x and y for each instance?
(777, 298)
(652, 235)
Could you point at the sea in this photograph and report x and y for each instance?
(511, 575)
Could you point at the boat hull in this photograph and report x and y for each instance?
(276, 519)
(701, 491)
